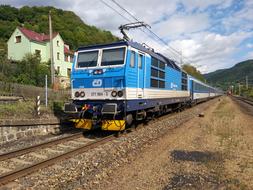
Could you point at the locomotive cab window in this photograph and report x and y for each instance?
(113, 57)
(132, 59)
(87, 59)
(140, 61)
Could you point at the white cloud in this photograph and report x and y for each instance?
(249, 45)
(211, 51)
(182, 24)
(203, 4)
(186, 28)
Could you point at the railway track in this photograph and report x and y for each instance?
(22, 162)
(29, 149)
(30, 167)
(246, 100)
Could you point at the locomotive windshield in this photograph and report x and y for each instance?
(87, 59)
(113, 57)
(109, 57)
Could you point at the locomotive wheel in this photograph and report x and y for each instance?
(129, 119)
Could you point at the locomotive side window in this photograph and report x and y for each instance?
(162, 74)
(154, 72)
(132, 61)
(140, 59)
(87, 59)
(154, 62)
(157, 73)
(161, 65)
(184, 81)
(113, 57)
(154, 83)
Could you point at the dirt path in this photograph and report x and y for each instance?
(211, 152)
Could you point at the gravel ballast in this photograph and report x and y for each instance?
(88, 170)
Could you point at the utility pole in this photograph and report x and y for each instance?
(46, 90)
(51, 49)
(239, 89)
(247, 83)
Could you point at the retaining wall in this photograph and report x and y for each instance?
(19, 129)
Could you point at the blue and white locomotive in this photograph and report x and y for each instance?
(114, 84)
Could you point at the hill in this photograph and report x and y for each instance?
(225, 77)
(72, 29)
(193, 72)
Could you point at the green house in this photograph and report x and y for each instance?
(23, 41)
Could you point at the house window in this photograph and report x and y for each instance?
(69, 72)
(66, 58)
(57, 42)
(58, 70)
(37, 52)
(70, 59)
(18, 39)
(58, 56)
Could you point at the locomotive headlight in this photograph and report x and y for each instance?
(114, 93)
(82, 94)
(120, 93)
(77, 94)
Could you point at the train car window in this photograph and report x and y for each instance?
(140, 60)
(113, 57)
(87, 59)
(132, 59)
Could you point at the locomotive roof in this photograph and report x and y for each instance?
(136, 45)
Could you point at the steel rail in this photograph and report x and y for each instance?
(10, 176)
(26, 150)
(246, 100)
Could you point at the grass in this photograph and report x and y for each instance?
(22, 110)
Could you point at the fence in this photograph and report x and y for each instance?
(31, 92)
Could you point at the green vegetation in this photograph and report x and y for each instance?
(191, 70)
(234, 76)
(24, 109)
(72, 29)
(29, 70)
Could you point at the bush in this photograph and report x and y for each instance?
(57, 107)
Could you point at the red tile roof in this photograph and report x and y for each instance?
(35, 36)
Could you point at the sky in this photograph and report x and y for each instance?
(209, 34)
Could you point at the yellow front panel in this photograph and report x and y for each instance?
(83, 123)
(113, 125)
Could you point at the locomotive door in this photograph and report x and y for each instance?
(140, 70)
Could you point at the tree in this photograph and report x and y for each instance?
(72, 29)
(191, 70)
(31, 71)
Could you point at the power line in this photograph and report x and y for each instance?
(127, 19)
(115, 10)
(153, 33)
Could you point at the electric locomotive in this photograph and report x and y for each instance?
(114, 84)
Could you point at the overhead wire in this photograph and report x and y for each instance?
(153, 33)
(105, 3)
(109, 6)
